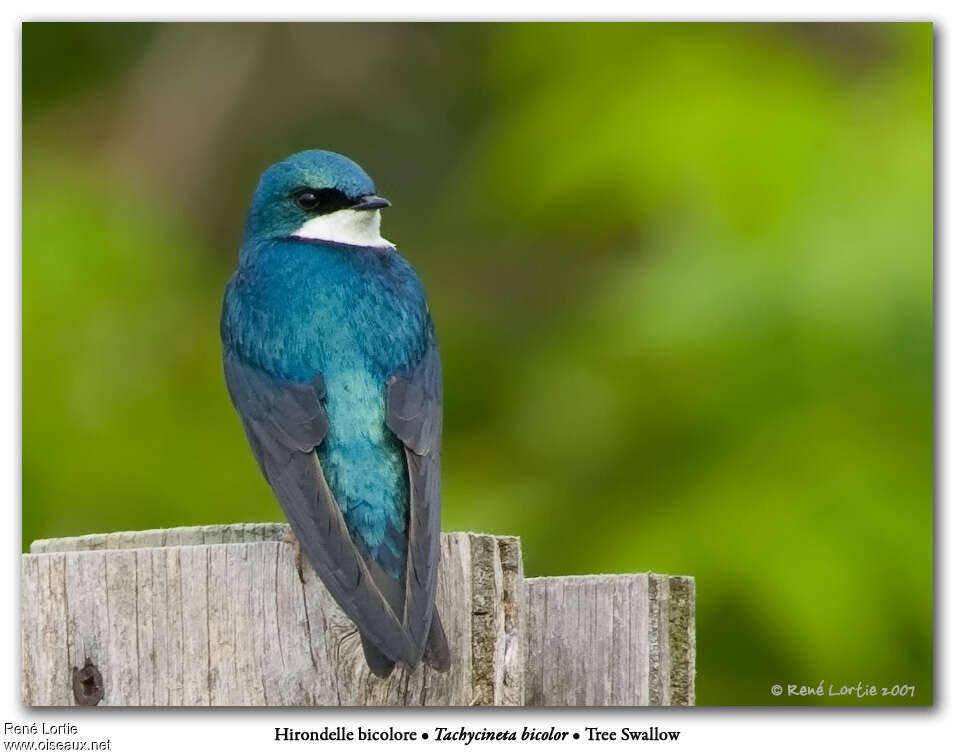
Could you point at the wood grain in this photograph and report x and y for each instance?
(219, 616)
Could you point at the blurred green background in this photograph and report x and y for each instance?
(681, 274)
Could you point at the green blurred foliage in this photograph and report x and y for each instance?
(682, 276)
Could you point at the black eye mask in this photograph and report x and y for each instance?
(321, 201)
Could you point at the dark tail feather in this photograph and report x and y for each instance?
(378, 663)
(436, 652)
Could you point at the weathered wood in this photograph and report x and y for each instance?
(610, 640)
(218, 615)
(198, 535)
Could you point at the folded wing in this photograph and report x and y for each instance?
(413, 408)
(285, 422)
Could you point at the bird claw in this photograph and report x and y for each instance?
(292, 539)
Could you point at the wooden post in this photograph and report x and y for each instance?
(219, 616)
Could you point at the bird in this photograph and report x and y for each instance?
(332, 364)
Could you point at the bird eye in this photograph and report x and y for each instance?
(321, 201)
(307, 199)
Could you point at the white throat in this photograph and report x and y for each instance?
(360, 228)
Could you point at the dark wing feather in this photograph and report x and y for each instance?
(285, 422)
(413, 406)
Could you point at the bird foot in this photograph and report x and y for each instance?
(292, 539)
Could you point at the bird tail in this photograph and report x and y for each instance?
(436, 652)
(437, 655)
(378, 663)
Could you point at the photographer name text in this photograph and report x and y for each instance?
(835, 690)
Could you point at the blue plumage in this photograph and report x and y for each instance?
(354, 318)
(357, 316)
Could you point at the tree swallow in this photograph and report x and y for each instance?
(332, 364)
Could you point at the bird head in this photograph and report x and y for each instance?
(316, 195)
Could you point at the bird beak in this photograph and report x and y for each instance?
(370, 202)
